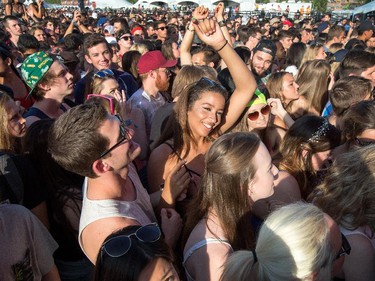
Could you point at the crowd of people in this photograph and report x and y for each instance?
(156, 145)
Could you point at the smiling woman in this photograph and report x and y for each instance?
(201, 114)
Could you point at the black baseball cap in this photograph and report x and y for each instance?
(266, 46)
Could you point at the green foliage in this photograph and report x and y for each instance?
(320, 5)
(54, 2)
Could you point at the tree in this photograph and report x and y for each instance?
(319, 5)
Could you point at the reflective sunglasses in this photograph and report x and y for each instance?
(124, 137)
(362, 142)
(118, 246)
(127, 37)
(162, 28)
(345, 247)
(110, 99)
(104, 73)
(255, 115)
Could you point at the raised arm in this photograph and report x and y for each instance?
(210, 33)
(219, 15)
(185, 56)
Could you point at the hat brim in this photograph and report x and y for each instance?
(169, 63)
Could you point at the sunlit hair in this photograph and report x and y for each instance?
(6, 140)
(294, 243)
(142, 48)
(304, 138)
(229, 168)
(311, 53)
(348, 186)
(130, 265)
(358, 118)
(313, 78)
(275, 85)
(94, 84)
(189, 74)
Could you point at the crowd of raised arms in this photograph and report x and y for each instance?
(150, 145)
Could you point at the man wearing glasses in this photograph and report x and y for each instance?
(161, 30)
(87, 140)
(152, 68)
(98, 54)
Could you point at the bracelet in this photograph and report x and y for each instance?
(191, 30)
(221, 23)
(226, 42)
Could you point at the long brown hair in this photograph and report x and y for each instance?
(228, 171)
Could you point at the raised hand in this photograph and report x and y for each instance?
(200, 13)
(219, 11)
(210, 33)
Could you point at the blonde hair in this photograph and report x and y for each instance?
(311, 53)
(142, 48)
(293, 244)
(348, 191)
(6, 140)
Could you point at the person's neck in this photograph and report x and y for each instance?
(150, 88)
(111, 185)
(14, 39)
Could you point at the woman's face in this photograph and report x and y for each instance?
(262, 114)
(261, 186)
(321, 55)
(109, 87)
(290, 89)
(205, 114)
(321, 160)
(16, 123)
(159, 270)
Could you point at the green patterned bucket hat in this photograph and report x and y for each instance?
(35, 67)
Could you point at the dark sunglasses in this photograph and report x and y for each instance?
(162, 28)
(362, 142)
(118, 246)
(255, 115)
(109, 99)
(204, 81)
(345, 247)
(124, 137)
(127, 37)
(103, 73)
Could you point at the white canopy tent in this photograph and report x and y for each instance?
(369, 7)
(112, 4)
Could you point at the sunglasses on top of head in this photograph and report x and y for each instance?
(255, 115)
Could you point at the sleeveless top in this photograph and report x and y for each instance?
(140, 209)
(196, 247)
(363, 231)
(33, 111)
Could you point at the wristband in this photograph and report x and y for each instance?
(226, 42)
(221, 23)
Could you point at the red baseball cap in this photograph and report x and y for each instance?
(153, 60)
(287, 22)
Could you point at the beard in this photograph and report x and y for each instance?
(161, 84)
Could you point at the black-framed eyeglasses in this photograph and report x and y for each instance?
(345, 247)
(103, 73)
(124, 137)
(162, 28)
(363, 142)
(118, 246)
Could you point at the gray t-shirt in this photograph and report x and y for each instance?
(26, 246)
